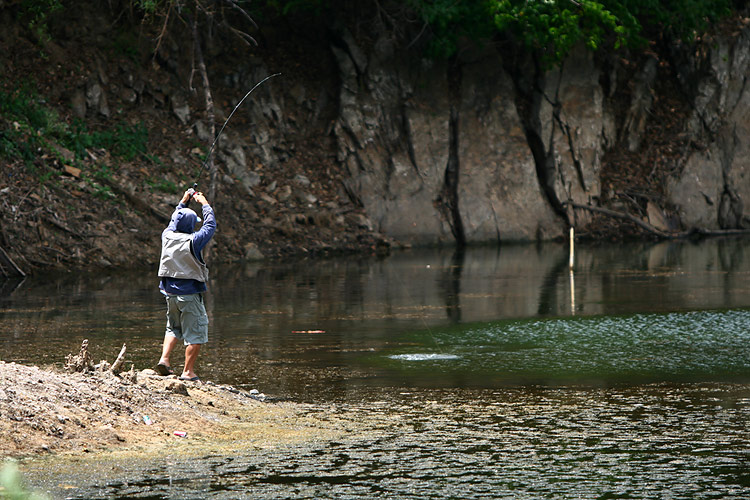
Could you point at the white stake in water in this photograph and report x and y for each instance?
(572, 274)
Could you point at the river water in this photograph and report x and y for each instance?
(493, 373)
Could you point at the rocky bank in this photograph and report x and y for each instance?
(51, 411)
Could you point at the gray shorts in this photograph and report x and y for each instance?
(187, 319)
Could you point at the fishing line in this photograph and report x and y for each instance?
(421, 315)
(211, 149)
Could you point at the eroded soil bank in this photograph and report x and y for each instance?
(139, 413)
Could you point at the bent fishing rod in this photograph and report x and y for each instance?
(216, 139)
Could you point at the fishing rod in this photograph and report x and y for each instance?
(216, 139)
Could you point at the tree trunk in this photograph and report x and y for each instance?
(210, 115)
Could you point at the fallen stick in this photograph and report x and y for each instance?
(7, 262)
(119, 361)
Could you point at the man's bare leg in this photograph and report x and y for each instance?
(169, 344)
(191, 355)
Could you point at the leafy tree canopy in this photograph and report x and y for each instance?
(552, 27)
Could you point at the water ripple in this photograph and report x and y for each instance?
(642, 348)
(681, 441)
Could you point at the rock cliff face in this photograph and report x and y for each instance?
(437, 152)
(711, 188)
(364, 142)
(477, 150)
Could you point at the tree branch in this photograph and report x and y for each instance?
(242, 11)
(241, 35)
(658, 232)
(117, 365)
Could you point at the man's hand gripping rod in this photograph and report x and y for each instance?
(211, 149)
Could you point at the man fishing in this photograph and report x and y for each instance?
(183, 276)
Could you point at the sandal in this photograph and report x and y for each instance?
(163, 369)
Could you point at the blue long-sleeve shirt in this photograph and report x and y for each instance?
(179, 286)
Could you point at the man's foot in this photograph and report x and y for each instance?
(163, 369)
(190, 379)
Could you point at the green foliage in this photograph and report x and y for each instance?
(26, 120)
(11, 486)
(8, 148)
(163, 185)
(287, 7)
(450, 20)
(29, 128)
(125, 44)
(553, 27)
(36, 13)
(22, 104)
(124, 141)
(151, 7)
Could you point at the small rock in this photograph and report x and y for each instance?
(78, 104)
(64, 152)
(128, 95)
(181, 111)
(201, 130)
(93, 95)
(104, 106)
(268, 199)
(177, 158)
(305, 197)
(177, 387)
(302, 180)
(284, 193)
(252, 252)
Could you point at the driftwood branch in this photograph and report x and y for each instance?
(137, 202)
(8, 267)
(117, 365)
(58, 224)
(658, 232)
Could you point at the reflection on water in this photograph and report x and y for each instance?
(308, 330)
(466, 375)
